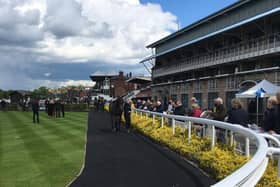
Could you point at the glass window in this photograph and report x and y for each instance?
(229, 97)
(184, 98)
(174, 97)
(196, 86)
(212, 85)
(211, 97)
(198, 98)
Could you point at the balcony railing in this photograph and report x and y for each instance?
(258, 47)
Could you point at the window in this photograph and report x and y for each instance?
(196, 86)
(232, 82)
(212, 85)
(185, 88)
(198, 98)
(277, 78)
(184, 98)
(211, 97)
(174, 97)
(229, 97)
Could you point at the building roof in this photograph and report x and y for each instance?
(102, 77)
(200, 22)
(140, 80)
(145, 93)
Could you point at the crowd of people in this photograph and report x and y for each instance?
(237, 114)
(54, 108)
(116, 109)
(99, 103)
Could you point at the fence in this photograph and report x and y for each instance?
(251, 172)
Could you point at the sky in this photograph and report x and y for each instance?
(59, 43)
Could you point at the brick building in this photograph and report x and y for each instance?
(112, 85)
(219, 55)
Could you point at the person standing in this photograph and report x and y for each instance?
(35, 109)
(159, 107)
(219, 111)
(196, 111)
(219, 114)
(57, 108)
(46, 105)
(62, 103)
(237, 115)
(118, 109)
(127, 112)
(179, 109)
(3, 105)
(277, 113)
(269, 115)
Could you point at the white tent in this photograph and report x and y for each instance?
(264, 89)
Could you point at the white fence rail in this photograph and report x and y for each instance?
(251, 172)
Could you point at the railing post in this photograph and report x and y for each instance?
(141, 115)
(162, 121)
(226, 136)
(247, 147)
(173, 126)
(278, 165)
(189, 132)
(153, 119)
(146, 115)
(213, 136)
(204, 130)
(231, 139)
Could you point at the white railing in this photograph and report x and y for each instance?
(251, 172)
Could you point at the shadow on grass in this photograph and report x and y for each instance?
(48, 160)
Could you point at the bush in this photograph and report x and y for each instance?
(13, 107)
(76, 107)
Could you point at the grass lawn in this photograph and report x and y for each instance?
(48, 154)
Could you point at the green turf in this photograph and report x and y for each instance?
(48, 154)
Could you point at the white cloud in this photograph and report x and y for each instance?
(47, 74)
(74, 31)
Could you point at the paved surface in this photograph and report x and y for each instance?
(120, 159)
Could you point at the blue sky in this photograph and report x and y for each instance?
(58, 43)
(189, 11)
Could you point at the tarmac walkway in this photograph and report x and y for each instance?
(121, 159)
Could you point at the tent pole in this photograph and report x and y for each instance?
(257, 111)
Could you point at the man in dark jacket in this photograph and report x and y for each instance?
(179, 109)
(117, 110)
(3, 105)
(219, 111)
(127, 112)
(237, 115)
(276, 127)
(35, 109)
(159, 107)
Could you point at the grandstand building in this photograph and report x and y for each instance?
(219, 55)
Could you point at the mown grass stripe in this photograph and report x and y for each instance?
(62, 134)
(54, 162)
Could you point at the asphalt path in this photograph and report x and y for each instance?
(121, 159)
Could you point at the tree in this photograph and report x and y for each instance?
(41, 92)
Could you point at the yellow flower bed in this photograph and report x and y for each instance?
(219, 162)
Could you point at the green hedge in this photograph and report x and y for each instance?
(13, 107)
(76, 107)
